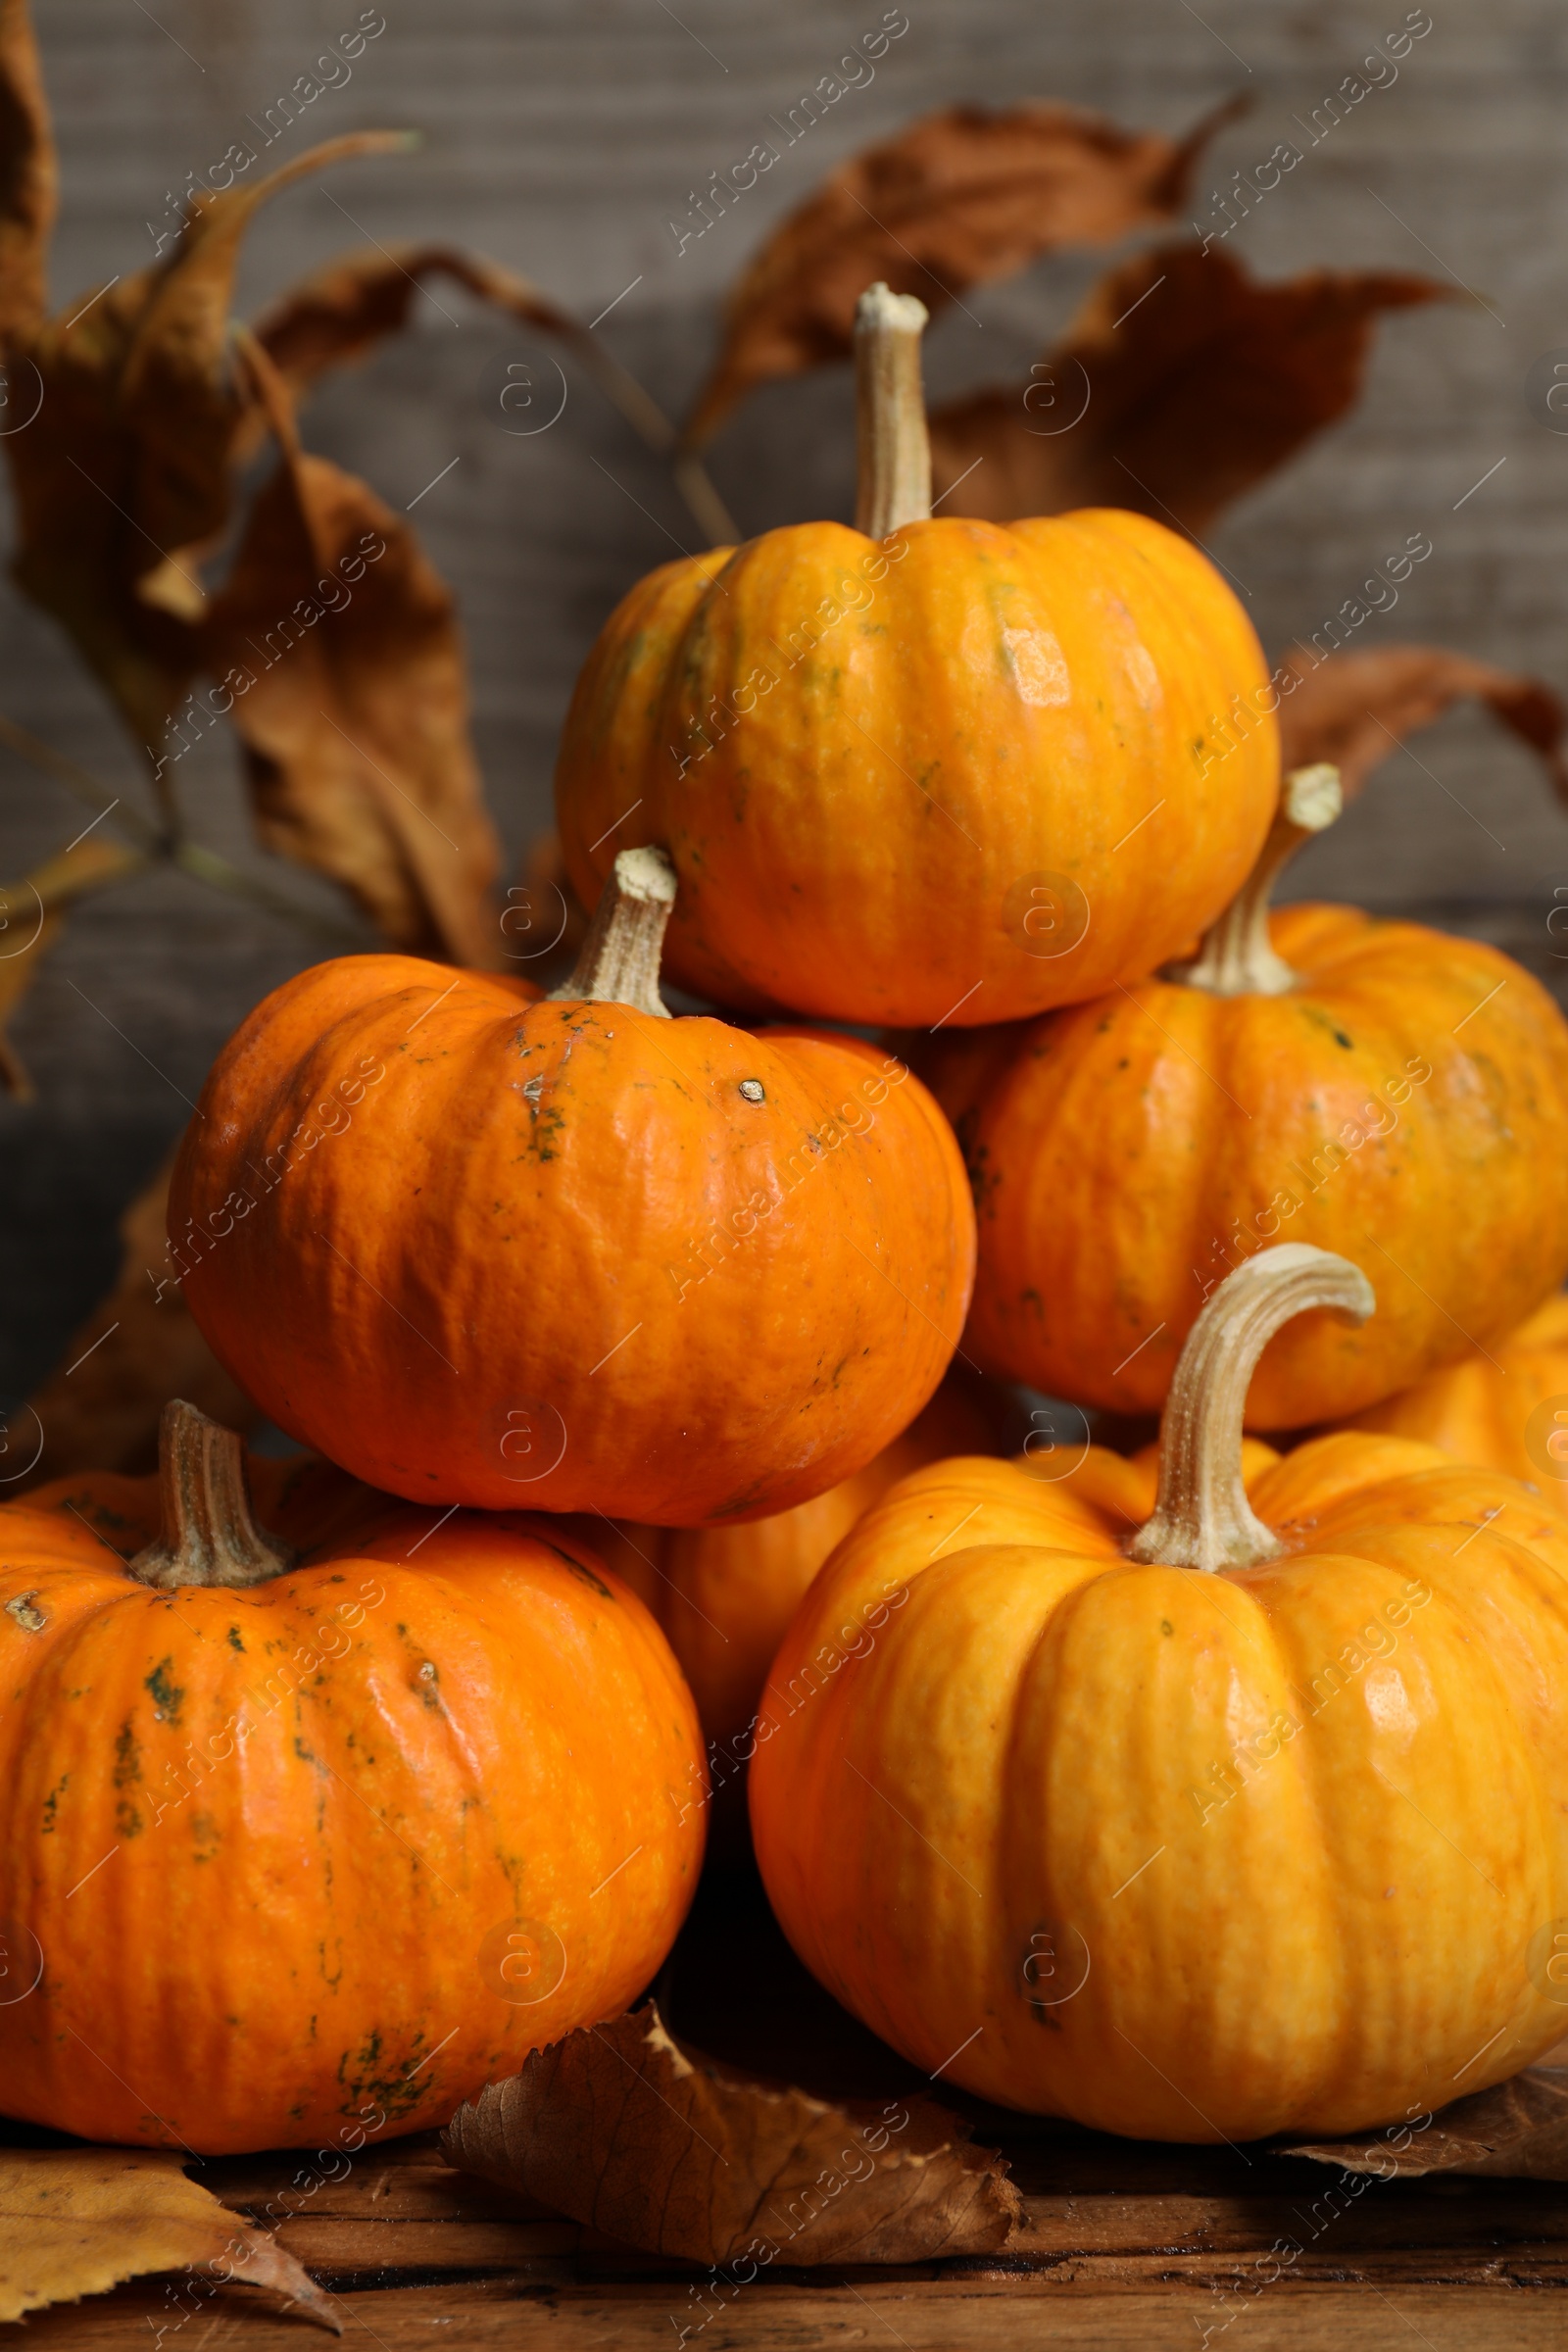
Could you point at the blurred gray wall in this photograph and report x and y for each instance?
(560, 137)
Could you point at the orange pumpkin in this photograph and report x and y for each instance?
(309, 1834)
(1364, 1086)
(1506, 1407)
(1254, 1821)
(724, 1595)
(924, 770)
(572, 1255)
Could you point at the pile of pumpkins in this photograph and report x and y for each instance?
(1211, 1790)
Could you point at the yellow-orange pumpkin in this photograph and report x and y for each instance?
(925, 770)
(1506, 1406)
(724, 1595)
(1364, 1086)
(312, 1833)
(1254, 1821)
(574, 1256)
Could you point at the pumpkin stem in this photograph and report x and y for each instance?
(209, 1537)
(1203, 1518)
(893, 450)
(618, 961)
(1237, 958)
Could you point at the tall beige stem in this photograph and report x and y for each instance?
(618, 961)
(894, 452)
(209, 1535)
(1203, 1518)
(1237, 958)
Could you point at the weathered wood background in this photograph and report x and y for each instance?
(561, 135)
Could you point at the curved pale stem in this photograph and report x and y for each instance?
(1237, 958)
(894, 453)
(209, 1536)
(1203, 1518)
(618, 961)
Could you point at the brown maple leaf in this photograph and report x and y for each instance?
(124, 473)
(1356, 708)
(336, 645)
(951, 201)
(622, 2128)
(1182, 382)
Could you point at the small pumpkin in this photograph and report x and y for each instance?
(1253, 1820)
(572, 1255)
(311, 1831)
(1506, 1406)
(931, 768)
(724, 1595)
(1318, 1076)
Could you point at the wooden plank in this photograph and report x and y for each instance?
(977, 2315)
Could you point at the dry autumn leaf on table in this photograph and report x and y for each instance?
(621, 2128)
(953, 200)
(74, 2222)
(1518, 2130)
(1182, 382)
(1356, 708)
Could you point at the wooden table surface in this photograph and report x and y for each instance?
(1125, 2246)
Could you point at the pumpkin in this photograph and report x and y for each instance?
(572, 1255)
(1253, 1820)
(1319, 1076)
(724, 1595)
(1506, 1407)
(312, 1833)
(930, 769)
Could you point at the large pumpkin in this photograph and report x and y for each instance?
(574, 1256)
(1320, 1076)
(315, 1832)
(1506, 1406)
(1254, 1821)
(925, 770)
(724, 1595)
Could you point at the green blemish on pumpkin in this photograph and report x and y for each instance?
(168, 1697)
(127, 1757)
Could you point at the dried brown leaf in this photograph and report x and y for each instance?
(99, 1408)
(1356, 708)
(126, 468)
(29, 175)
(1518, 2130)
(955, 198)
(74, 2222)
(1182, 382)
(621, 2128)
(351, 700)
(30, 917)
(343, 310)
(340, 314)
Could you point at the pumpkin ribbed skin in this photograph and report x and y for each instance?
(1507, 1409)
(1125, 1153)
(860, 838)
(724, 1595)
(1180, 1855)
(272, 1842)
(553, 1257)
